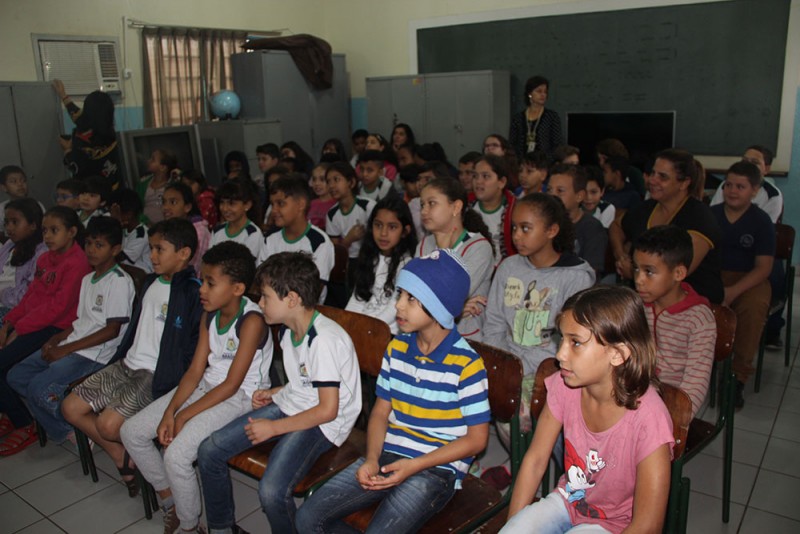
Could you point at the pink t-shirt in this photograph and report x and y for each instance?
(600, 468)
(318, 211)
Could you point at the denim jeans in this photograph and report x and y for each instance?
(404, 508)
(289, 461)
(548, 516)
(43, 385)
(10, 355)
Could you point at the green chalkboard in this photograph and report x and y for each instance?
(719, 65)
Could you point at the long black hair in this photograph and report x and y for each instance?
(25, 249)
(305, 163)
(69, 218)
(551, 209)
(370, 254)
(97, 115)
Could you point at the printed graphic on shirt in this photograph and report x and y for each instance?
(230, 349)
(98, 304)
(579, 475)
(162, 316)
(532, 312)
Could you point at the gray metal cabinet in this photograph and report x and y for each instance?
(30, 123)
(220, 137)
(456, 109)
(271, 87)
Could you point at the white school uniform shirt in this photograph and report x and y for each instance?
(380, 305)
(136, 248)
(143, 353)
(249, 236)
(223, 344)
(8, 275)
(104, 299)
(313, 240)
(339, 222)
(605, 213)
(382, 190)
(325, 357)
(494, 221)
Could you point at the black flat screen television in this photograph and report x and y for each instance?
(642, 133)
(183, 141)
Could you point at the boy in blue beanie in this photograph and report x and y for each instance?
(431, 416)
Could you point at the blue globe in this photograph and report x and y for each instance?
(225, 104)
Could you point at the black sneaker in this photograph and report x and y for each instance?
(738, 400)
(773, 342)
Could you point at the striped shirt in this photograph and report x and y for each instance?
(434, 398)
(685, 335)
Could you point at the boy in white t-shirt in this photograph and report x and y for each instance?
(126, 207)
(104, 310)
(374, 185)
(315, 411)
(232, 360)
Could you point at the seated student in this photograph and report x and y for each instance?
(322, 201)
(567, 154)
(683, 326)
(346, 220)
(568, 182)
(47, 308)
(314, 411)
(231, 361)
(204, 196)
(150, 187)
(747, 251)
(376, 141)
(126, 207)
(18, 255)
(359, 140)
(613, 148)
(422, 434)
(387, 247)
(374, 185)
(238, 206)
(94, 198)
(618, 192)
(425, 173)
(269, 156)
(270, 176)
(154, 353)
(68, 193)
(533, 173)
(290, 196)
(104, 310)
(405, 156)
(236, 165)
(466, 172)
(333, 150)
(178, 202)
(593, 203)
(495, 202)
(769, 198)
(14, 183)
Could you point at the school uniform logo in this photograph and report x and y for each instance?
(304, 378)
(230, 349)
(162, 316)
(98, 304)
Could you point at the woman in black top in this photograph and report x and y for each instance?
(535, 128)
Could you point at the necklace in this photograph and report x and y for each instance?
(530, 138)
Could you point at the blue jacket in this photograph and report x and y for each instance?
(181, 330)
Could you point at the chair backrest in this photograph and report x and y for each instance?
(370, 336)
(784, 241)
(680, 410)
(504, 373)
(539, 397)
(726, 328)
(138, 275)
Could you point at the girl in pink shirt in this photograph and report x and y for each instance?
(617, 431)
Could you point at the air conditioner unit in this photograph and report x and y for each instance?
(83, 64)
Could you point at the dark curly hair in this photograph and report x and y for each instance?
(235, 260)
(25, 249)
(291, 271)
(551, 209)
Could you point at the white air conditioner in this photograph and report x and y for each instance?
(83, 64)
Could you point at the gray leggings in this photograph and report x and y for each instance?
(175, 470)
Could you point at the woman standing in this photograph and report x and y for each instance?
(536, 128)
(92, 148)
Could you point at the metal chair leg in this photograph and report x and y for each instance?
(760, 361)
(790, 289)
(712, 386)
(42, 435)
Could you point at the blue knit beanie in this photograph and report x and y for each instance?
(440, 282)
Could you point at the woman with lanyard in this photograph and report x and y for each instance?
(673, 178)
(536, 128)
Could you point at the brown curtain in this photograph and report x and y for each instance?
(177, 63)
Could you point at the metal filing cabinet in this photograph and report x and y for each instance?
(220, 137)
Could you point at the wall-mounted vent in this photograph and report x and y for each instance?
(84, 64)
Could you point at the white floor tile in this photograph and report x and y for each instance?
(255, 522)
(791, 400)
(777, 493)
(754, 418)
(145, 526)
(108, 510)
(61, 488)
(32, 463)
(16, 513)
(780, 454)
(706, 475)
(246, 499)
(770, 395)
(787, 426)
(44, 526)
(758, 522)
(3, 489)
(777, 374)
(244, 479)
(705, 515)
(748, 447)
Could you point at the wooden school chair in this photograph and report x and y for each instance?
(680, 410)
(784, 247)
(477, 502)
(370, 337)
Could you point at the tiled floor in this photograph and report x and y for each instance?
(42, 490)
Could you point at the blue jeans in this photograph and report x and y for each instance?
(289, 462)
(11, 355)
(404, 508)
(43, 385)
(548, 516)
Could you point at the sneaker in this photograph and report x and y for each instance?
(774, 342)
(171, 522)
(738, 401)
